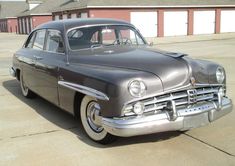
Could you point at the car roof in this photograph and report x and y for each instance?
(64, 25)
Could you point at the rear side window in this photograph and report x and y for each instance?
(39, 40)
(54, 42)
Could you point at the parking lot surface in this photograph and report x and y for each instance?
(35, 132)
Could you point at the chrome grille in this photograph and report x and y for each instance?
(181, 98)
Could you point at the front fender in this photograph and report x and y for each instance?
(109, 84)
(203, 71)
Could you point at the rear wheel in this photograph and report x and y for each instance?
(91, 121)
(24, 89)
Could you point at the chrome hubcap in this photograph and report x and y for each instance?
(93, 117)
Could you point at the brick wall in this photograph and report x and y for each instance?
(123, 14)
(37, 20)
(12, 25)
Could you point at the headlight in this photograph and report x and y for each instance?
(137, 88)
(220, 75)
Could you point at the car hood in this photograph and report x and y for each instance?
(172, 69)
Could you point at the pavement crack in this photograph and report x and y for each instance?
(212, 146)
(39, 133)
(33, 134)
(27, 135)
(46, 132)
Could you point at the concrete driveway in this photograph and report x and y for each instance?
(34, 132)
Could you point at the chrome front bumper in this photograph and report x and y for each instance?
(196, 116)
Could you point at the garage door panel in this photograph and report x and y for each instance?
(204, 22)
(74, 15)
(84, 15)
(65, 16)
(57, 17)
(228, 21)
(175, 23)
(146, 22)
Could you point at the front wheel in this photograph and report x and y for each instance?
(24, 89)
(91, 121)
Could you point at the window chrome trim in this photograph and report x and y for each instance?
(84, 90)
(44, 50)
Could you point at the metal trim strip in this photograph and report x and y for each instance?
(84, 90)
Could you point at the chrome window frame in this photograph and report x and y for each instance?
(95, 25)
(43, 50)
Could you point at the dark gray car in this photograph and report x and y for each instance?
(104, 71)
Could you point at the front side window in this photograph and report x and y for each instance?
(39, 40)
(90, 37)
(54, 42)
(30, 40)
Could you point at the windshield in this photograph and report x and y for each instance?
(96, 36)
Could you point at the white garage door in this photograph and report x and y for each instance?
(175, 23)
(228, 21)
(146, 22)
(204, 22)
(65, 16)
(74, 15)
(57, 17)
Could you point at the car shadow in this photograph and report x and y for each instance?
(67, 122)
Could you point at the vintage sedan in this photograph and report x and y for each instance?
(104, 71)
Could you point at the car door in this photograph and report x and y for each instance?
(27, 55)
(47, 66)
(33, 54)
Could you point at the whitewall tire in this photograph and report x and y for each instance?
(24, 89)
(91, 121)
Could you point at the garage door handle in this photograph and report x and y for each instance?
(37, 57)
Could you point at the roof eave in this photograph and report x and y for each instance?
(156, 6)
(162, 6)
(10, 17)
(40, 14)
(69, 9)
(35, 14)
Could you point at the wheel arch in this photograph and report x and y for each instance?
(77, 103)
(18, 74)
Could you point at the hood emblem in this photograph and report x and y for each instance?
(193, 81)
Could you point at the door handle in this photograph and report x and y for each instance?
(37, 57)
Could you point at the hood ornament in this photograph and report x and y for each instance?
(193, 81)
